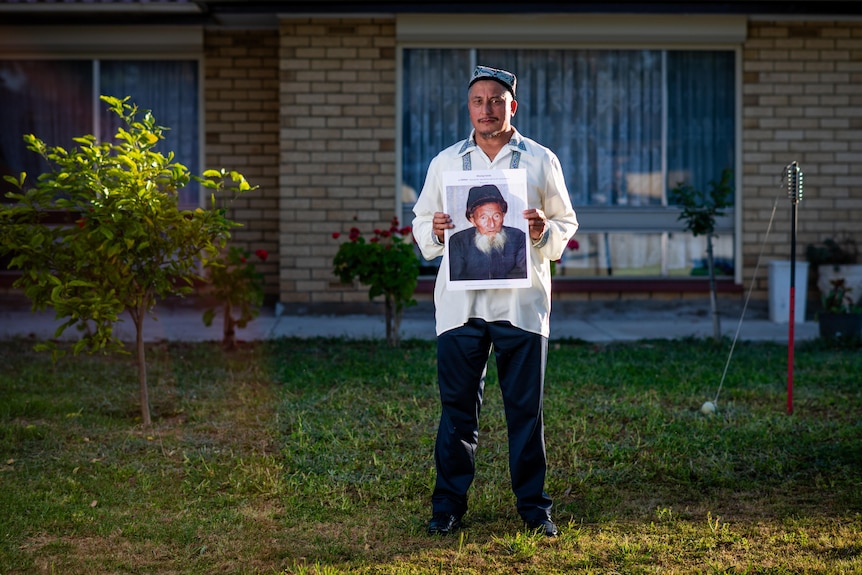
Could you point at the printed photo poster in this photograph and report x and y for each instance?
(489, 247)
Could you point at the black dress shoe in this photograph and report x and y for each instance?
(443, 523)
(544, 526)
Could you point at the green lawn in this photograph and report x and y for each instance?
(315, 457)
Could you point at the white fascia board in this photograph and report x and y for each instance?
(101, 41)
(569, 29)
(102, 8)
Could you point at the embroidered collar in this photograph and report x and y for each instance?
(515, 143)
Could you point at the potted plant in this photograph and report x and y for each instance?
(836, 258)
(840, 316)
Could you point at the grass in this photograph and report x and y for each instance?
(314, 457)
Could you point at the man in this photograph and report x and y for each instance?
(488, 250)
(514, 322)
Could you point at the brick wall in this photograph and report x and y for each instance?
(337, 166)
(802, 101)
(241, 102)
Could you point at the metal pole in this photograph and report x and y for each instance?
(794, 191)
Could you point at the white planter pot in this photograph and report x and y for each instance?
(852, 274)
(779, 291)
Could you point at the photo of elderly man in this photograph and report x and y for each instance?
(489, 249)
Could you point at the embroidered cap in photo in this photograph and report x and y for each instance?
(487, 194)
(507, 79)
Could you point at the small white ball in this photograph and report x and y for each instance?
(708, 408)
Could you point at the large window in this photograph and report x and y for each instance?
(627, 125)
(59, 99)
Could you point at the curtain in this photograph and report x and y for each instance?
(601, 111)
(54, 100)
(169, 89)
(435, 112)
(50, 99)
(701, 108)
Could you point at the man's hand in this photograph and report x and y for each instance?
(442, 222)
(535, 222)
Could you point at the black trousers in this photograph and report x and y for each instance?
(462, 357)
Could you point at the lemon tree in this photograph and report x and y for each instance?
(127, 244)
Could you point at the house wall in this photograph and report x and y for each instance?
(241, 95)
(337, 88)
(307, 112)
(801, 97)
(802, 101)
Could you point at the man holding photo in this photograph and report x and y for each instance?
(514, 322)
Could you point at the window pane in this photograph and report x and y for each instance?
(627, 125)
(50, 99)
(600, 112)
(701, 108)
(645, 255)
(435, 109)
(687, 255)
(613, 255)
(169, 89)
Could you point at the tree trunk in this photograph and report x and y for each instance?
(389, 313)
(713, 300)
(229, 332)
(138, 318)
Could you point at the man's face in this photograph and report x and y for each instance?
(491, 108)
(488, 219)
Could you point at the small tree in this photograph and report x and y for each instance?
(699, 210)
(130, 245)
(237, 288)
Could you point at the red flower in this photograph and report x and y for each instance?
(242, 259)
(405, 230)
(374, 240)
(262, 254)
(573, 244)
(81, 222)
(336, 235)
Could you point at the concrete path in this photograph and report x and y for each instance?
(589, 321)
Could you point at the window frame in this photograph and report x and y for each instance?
(103, 43)
(590, 31)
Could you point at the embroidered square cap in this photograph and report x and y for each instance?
(507, 79)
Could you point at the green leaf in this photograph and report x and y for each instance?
(16, 182)
(209, 315)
